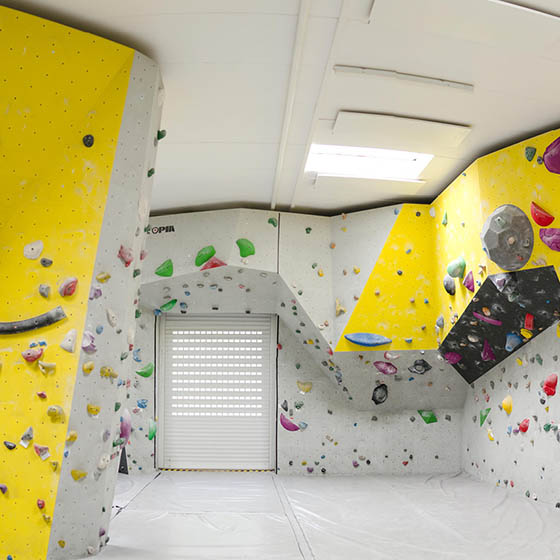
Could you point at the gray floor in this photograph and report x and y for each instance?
(176, 515)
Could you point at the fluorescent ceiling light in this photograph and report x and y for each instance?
(366, 163)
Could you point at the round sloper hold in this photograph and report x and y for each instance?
(88, 140)
(380, 394)
(33, 250)
(507, 237)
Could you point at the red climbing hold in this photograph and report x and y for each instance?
(529, 322)
(125, 254)
(213, 262)
(405, 463)
(279, 346)
(32, 354)
(40, 504)
(524, 426)
(541, 217)
(549, 386)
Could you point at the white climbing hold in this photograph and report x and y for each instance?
(46, 367)
(104, 461)
(33, 250)
(432, 212)
(69, 342)
(111, 317)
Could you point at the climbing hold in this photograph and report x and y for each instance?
(93, 410)
(483, 415)
(551, 238)
(513, 340)
(308, 230)
(490, 434)
(367, 339)
(526, 333)
(213, 262)
(246, 248)
(202, 256)
(549, 386)
(103, 277)
(42, 395)
(72, 436)
(126, 425)
(165, 269)
(456, 268)
(3, 488)
(507, 405)
(507, 237)
(152, 428)
(68, 286)
(87, 368)
(42, 451)
(320, 273)
(489, 320)
(449, 285)
(339, 309)
(444, 221)
(541, 217)
(530, 153)
(88, 342)
(44, 290)
(151, 172)
(551, 156)
(284, 405)
(440, 322)
(356, 270)
(385, 368)
(46, 262)
(88, 140)
(487, 353)
(168, 305)
(428, 416)
(32, 354)
(146, 371)
(287, 424)
(529, 322)
(33, 250)
(55, 413)
(273, 222)
(125, 254)
(304, 386)
(40, 504)
(452, 357)
(420, 366)
(77, 475)
(391, 356)
(380, 394)
(468, 282)
(111, 317)
(161, 134)
(9, 445)
(524, 425)
(95, 292)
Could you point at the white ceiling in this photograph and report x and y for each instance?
(226, 66)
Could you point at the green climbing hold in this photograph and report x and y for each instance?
(136, 273)
(456, 268)
(168, 305)
(204, 254)
(484, 414)
(547, 427)
(165, 268)
(161, 134)
(530, 153)
(117, 406)
(146, 371)
(137, 314)
(307, 230)
(246, 248)
(151, 172)
(428, 416)
(152, 428)
(538, 357)
(444, 221)
(273, 222)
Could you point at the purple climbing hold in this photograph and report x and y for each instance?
(287, 424)
(385, 368)
(453, 357)
(550, 237)
(468, 282)
(3, 488)
(551, 156)
(487, 353)
(88, 343)
(126, 425)
(95, 292)
(489, 320)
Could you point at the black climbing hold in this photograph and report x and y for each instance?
(420, 366)
(10, 445)
(46, 262)
(88, 140)
(380, 394)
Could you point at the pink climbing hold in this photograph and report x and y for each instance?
(68, 286)
(487, 353)
(524, 425)
(385, 368)
(550, 237)
(126, 425)
(489, 320)
(42, 395)
(213, 262)
(143, 254)
(551, 156)
(453, 357)
(468, 282)
(42, 451)
(41, 504)
(32, 354)
(125, 254)
(287, 424)
(550, 383)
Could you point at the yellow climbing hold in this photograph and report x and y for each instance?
(309, 341)
(77, 474)
(526, 333)
(87, 368)
(62, 544)
(490, 435)
(103, 277)
(72, 436)
(507, 404)
(519, 361)
(339, 309)
(54, 465)
(304, 386)
(356, 270)
(93, 410)
(107, 371)
(320, 272)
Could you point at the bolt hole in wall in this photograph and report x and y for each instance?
(217, 392)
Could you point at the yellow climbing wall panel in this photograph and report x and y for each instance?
(503, 177)
(58, 84)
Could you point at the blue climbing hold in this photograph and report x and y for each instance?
(513, 340)
(367, 339)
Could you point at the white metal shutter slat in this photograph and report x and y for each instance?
(217, 392)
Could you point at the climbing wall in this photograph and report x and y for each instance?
(512, 414)
(79, 119)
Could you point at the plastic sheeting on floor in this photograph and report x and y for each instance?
(180, 515)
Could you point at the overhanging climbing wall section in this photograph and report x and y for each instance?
(69, 202)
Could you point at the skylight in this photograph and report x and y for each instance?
(366, 163)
